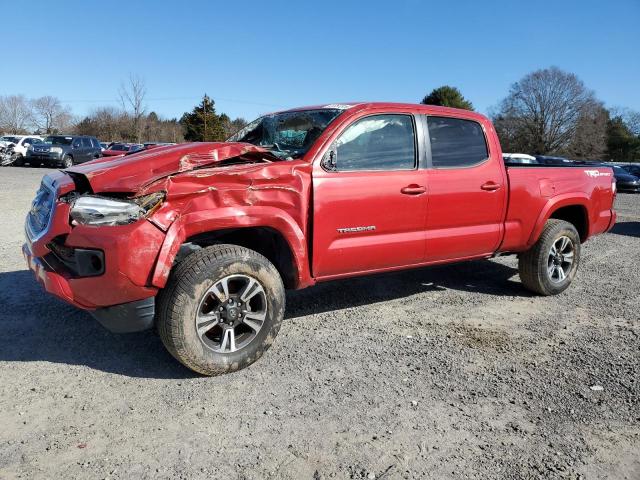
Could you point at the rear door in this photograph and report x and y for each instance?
(467, 190)
(87, 149)
(77, 150)
(369, 198)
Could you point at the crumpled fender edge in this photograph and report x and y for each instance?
(195, 223)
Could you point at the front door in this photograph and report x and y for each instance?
(369, 199)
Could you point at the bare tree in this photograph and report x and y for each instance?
(589, 141)
(15, 114)
(631, 118)
(49, 115)
(132, 97)
(543, 111)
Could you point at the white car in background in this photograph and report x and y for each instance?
(21, 144)
(519, 158)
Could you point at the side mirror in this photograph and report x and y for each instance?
(330, 159)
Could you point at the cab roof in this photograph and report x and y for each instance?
(413, 107)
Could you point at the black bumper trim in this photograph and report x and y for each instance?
(127, 317)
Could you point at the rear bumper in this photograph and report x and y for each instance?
(612, 221)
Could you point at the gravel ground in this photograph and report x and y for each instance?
(449, 372)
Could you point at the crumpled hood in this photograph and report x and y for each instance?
(132, 173)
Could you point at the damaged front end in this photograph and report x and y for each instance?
(104, 235)
(109, 211)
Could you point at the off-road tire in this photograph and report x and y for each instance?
(67, 161)
(533, 264)
(179, 301)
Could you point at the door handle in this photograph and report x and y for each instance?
(413, 189)
(490, 186)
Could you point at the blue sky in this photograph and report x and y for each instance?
(254, 57)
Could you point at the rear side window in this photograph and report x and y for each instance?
(379, 142)
(95, 142)
(456, 142)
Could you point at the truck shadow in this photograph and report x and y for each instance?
(36, 327)
(483, 276)
(630, 229)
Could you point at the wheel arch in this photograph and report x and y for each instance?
(570, 208)
(270, 233)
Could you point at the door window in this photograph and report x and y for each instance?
(379, 142)
(456, 143)
(86, 143)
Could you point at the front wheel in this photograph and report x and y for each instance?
(17, 160)
(67, 161)
(221, 309)
(550, 266)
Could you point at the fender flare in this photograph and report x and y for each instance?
(204, 221)
(566, 200)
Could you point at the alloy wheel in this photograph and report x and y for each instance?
(560, 259)
(231, 313)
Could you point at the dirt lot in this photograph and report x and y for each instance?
(450, 372)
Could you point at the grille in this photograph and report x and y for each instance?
(41, 210)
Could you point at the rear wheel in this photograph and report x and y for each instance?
(221, 309)
(550, 266)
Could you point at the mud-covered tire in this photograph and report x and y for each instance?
(536, 264)
(180, 302)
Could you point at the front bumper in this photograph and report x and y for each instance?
(44, 158)
(127, 317)
(128, 252)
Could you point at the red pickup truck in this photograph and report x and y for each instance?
(201, 240)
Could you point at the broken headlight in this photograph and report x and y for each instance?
(94, 210)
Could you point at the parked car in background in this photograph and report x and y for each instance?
(106, 145)
(157, 144)
(551, 160)
(625, 182)
(64, 150)
(21, 144)
(633, 169)
(201, 239)
(519, 158)
(119, 149)
(137, 148)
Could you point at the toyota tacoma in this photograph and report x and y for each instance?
(201, 240)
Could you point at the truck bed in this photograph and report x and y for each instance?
(580, 191)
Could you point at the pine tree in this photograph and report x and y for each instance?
(447, 96)
(202, 124)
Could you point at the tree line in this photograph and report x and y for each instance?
(547, 112)
(552, 112)
(129, 122)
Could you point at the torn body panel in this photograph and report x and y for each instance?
(274, 196)
(134, 173)
(206, 188)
